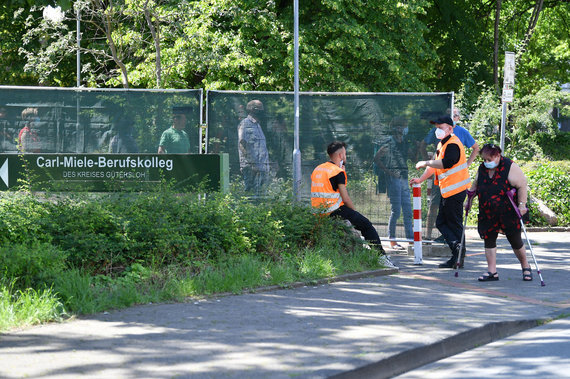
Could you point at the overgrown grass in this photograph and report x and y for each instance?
(19, 308)
(87, 255)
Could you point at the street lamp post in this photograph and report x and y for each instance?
(296, 150)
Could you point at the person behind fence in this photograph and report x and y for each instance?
(329, 196)
(6, 138)
(123, 141)
(28, 140)
(174, 140)
(495, 177)
(452, 176)
(391, 159)
(252, 148)
(469, 142)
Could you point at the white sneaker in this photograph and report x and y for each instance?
(385, 261)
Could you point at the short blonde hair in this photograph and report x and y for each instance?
(28, 113)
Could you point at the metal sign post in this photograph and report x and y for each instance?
(296, 150)
(508, 92)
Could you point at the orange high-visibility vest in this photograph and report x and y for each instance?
(456, 178)
(322, 194)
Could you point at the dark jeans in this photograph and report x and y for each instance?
(399, 194)
(360, 223)
(450, 218)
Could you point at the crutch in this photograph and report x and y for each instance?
(470, 195)
(511, 195)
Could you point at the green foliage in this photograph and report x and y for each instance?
(532, 130)
(551, 184)
(235, 44)
(485, 117)
(111, 251)
(34, 265)
(547, 56)
(107, 234)
(22, 219)
(27, 307)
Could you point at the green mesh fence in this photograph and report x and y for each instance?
(53, 120)
(389, 126)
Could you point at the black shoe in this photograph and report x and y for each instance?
(449, 264)
(439, 239)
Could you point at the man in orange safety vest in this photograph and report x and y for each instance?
(452, 175)
(329, 196)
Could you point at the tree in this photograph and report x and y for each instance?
(346, 45)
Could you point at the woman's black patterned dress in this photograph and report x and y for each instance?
(496, 212)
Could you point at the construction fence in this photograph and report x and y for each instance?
(386, 133)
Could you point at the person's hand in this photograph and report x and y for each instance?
(421, 164)
(469, 201)
(522, 209)
(415, 181)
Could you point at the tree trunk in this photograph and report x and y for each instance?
(531, 26)
(496, 46)
(156, 38)
(125, 79)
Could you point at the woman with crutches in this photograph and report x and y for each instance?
(496, 176)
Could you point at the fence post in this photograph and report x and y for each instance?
(417, 193)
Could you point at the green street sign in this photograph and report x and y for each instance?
(114, 172)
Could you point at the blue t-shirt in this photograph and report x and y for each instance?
(463, 134)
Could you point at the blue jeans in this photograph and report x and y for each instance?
(399, 194)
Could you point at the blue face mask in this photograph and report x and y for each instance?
(490, 165)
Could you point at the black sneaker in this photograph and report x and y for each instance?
(439, 239)
(449, 264)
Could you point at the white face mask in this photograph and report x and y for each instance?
(405, 131)
(490, 165)
(439, 133)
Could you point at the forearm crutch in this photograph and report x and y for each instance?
(511, 195)
(470, 195)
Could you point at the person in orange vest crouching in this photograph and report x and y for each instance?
(329, 196)
(452, 175)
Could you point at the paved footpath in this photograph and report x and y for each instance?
(373, 326)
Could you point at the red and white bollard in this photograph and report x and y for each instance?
(417, 194)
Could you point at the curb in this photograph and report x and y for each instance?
(470, 339)
(339, 278)
(420, 356)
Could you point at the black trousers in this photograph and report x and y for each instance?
(450, 218)
(360, 223)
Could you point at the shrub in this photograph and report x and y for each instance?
(22, 219)
(32, 266)
(551, 184)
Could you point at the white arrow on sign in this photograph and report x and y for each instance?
(4, 172)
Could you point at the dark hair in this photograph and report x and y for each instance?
(490, 149)
(333, 147)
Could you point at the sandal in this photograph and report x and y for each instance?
(527, 277)
(398, 247)
(489, 277)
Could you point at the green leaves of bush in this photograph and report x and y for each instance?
(551, 183)
(105, 234)
(31, 266)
